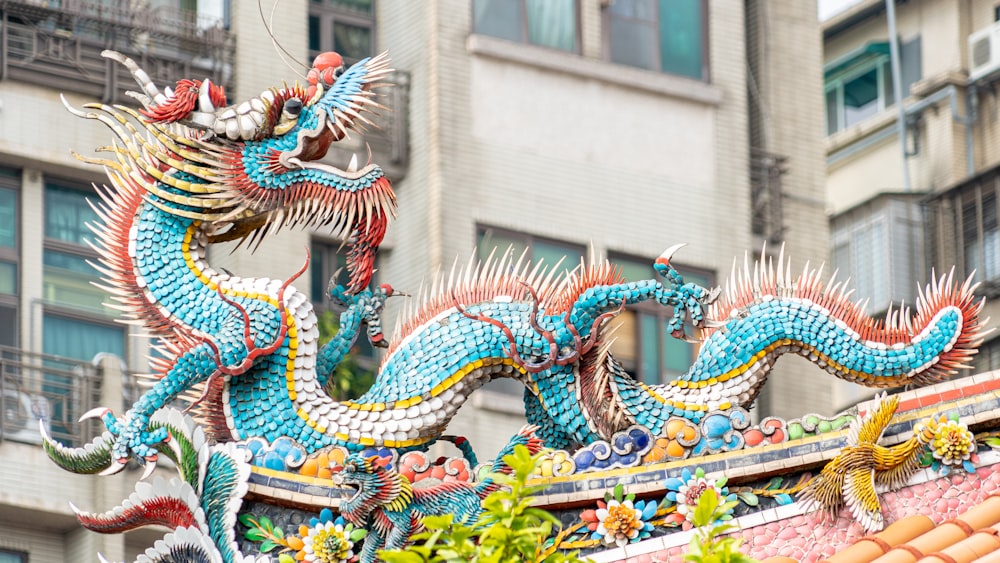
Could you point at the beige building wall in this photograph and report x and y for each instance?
(953, 140)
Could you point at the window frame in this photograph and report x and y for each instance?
(607, 16)
(525, 32)
(661, 314)
(330, 14)
(977, 198)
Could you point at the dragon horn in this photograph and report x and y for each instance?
(114, 468)
(150, 467)
(668, 254)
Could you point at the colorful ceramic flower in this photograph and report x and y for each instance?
(326, 540)
(620, 520)
(953, 445)
(685, 492)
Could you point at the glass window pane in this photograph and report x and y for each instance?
(491, 241)
(832, 112)
(634, 270)
(681, 37)
(11, 557)
(8, 278)
(625, 345)
(8, 326)
(67, 281)
(634, 9)
(352, 41)
(8, 218)
(499, 18)
(677, 354)
(861, 98)
(364, 6)
(552, 23)
(81, 340)
(550, 253)
(67, 214)
(315, 44)
(633, 43)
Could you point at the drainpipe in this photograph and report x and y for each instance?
(897, 87)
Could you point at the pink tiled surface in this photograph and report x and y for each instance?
(810, 538)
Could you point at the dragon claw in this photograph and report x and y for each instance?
(115, 468)
(150, 467)
(99, 412)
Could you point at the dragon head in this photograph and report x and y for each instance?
(376, 486)
(251, 168)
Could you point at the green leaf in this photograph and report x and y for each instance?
(358, 534)
(285, 558)
(267, 546)
(721, 482)
(619, 489)
(992, 441)
(248, 520)
(266, 524)
(278, 533)
(255, 535)
(775, 483)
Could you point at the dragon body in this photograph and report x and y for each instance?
(247, 348)
(391, 509)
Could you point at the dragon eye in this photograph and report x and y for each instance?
(289, 116)
(293, 107)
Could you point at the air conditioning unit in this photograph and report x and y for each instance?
(21, 413)
(984, 52)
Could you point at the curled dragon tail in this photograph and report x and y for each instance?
(525, 437)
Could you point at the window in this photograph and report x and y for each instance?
(324, 262)
(549, 23)
(643, 344)
(981, 235)
(879, 245)
(859, 85)
(7, 556)
(10, 182)
(344, 26)
(549, 251)
(662, 35)
(76, 323)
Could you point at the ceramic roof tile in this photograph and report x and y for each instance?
(870, 547)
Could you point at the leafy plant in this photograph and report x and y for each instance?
(509, 530)
(349, 380)
(708, 544)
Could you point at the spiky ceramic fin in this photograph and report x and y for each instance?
(226, 475)
(90, 459)
(170, 503)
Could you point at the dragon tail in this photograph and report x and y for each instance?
(766, 312)
(525, 437)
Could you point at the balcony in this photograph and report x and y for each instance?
(58, 43)
(55, 392)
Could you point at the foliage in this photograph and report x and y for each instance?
(708, 545)
(509, 530)
(349, 380)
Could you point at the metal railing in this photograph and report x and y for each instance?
(58, 43)
(52, 391)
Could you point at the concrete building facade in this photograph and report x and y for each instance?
(904, 205)
(559, 127)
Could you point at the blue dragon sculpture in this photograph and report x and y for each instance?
(187, 173)
(186, 180)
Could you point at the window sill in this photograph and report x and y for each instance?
(576, 65)
(498, 402)
(843, 139)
